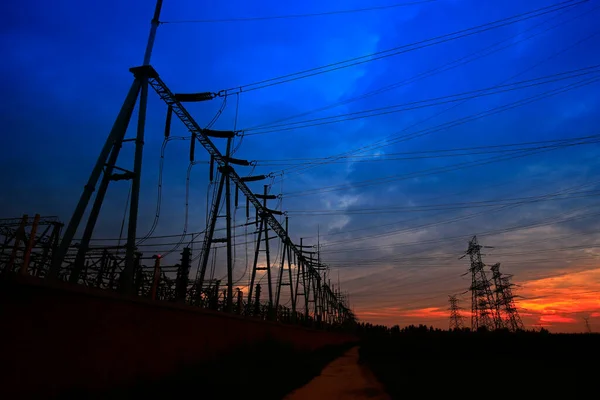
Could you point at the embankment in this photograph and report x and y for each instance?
(58, 337)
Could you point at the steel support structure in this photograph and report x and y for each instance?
(203, 137)
(263, 229)
(456, 319)
(105, 164)
(324, 299)
(483, 312)
(285, 259)
(505, 303)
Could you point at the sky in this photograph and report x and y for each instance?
(392, 163)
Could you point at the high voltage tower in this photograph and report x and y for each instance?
(483, 311)
(104, 267)
(588, 328)
(505, 304)
(456, 319)
(491, 308)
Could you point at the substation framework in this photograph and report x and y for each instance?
(79, 263)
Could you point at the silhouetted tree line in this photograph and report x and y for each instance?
(424, 359)
(366, 330)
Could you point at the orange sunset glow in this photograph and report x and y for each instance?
(558, 303)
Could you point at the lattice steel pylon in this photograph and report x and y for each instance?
(456, 319)
(505, 303)
(483, 312)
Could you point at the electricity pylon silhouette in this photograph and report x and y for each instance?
(483, 312)
(588, 328)
(456, 319)
(505, 299)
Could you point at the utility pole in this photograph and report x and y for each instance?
(229, 305)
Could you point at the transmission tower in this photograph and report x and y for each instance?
(588, 328)
(456, 319)
(483, 312)
(505, 299)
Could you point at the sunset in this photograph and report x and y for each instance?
(345, 196)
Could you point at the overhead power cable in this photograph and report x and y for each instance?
(455, 219)
(445, 196)
(435, 101)
(405, 48)
(458, 122)
(539, 223)
(511, 41)
(441, 207)
(437, 170)
(305, 15)
(467, 119)
(424, 154)
(384, 142)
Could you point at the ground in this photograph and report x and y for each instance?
(343, 378)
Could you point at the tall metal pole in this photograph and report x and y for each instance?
(280, 277)
(130, 248)
(298, 276)
(116, 136)
(268, 256)
(229, 305)
(208, 236)
(84, 244)
(153, 27)
(255, 263)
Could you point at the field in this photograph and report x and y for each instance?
(498, 364)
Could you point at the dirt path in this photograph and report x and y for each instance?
(343, 378)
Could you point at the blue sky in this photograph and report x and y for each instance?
(65, 75)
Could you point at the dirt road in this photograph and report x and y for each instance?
(343, 378)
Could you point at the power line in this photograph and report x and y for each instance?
(464, 120)
(417, 155)
(306, 15)
(405, 48)
(379, 143)
(445, 196)
(468, 216)
(430, 241)
(542, 222)
(436, 101)
(434, 171)
(511, 41)
(457, 206)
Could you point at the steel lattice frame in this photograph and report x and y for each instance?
(483, 313)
